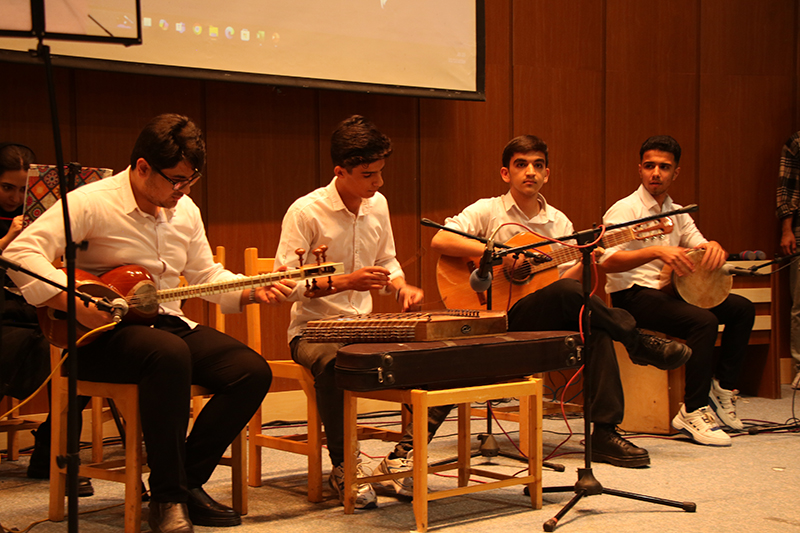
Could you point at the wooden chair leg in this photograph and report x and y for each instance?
(420, 467)
(254, 451)
(314, 448)
(238, 474)
(97, 429)
(58, 446)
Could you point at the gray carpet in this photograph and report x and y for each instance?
(754, 485)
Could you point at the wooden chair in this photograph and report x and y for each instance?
(129, 469)
(529, 391)
(13, 424)
(309, 443)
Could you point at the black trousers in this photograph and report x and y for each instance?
(663, 312)
(557, 307)
(165, 361)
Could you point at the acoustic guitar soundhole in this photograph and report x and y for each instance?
(521, 274)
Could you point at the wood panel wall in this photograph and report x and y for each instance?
(593, 78)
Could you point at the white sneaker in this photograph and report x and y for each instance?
(365, 497)
(723, 402)
(701, 426)
(403, 486)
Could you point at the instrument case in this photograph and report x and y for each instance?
(462, 362)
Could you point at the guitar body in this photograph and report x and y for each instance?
(131, 282)
(508, 285)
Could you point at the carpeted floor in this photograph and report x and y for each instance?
(754, 485)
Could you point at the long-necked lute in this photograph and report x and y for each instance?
(135, 284)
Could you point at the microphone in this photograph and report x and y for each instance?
(748, 255)
(481, 279)
(733, 270)
(119, 309)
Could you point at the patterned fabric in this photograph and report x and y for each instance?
(43, 190)
(789, 185)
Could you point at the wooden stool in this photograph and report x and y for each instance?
(529, 391)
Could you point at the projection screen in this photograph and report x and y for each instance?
(412, 47)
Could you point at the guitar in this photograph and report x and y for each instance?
(135, 284)
(509, 285)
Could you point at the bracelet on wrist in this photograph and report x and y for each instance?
(252, 296)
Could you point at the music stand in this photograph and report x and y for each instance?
(587, 484)
(39, 31)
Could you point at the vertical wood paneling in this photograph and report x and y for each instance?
(746, 107)
(558, 95)
(25, 109)
(651, 89)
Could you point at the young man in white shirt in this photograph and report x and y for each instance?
(351, 218)
(634, 282)
(143, 216)
(557, 306)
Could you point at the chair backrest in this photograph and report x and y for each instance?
(254, 265)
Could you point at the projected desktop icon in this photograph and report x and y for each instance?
(163, 24)
(198, 29)
(245, 34)
(180, 27)
(213, 31)
(229, 32)
(147, 22)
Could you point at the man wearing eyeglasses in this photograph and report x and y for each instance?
(143, 216)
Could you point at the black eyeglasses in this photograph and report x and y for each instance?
(178, 185)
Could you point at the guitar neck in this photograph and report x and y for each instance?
(565, 254)
(261, 280)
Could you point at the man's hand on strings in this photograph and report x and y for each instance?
(410, 297)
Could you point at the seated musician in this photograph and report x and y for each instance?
(634, 283)
(351, 218)
(143, 216)
(556, 306)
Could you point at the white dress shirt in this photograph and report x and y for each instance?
(106, 216)
(486, 215)
(358, 241)
(638, 205)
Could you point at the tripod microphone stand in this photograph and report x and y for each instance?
(587, 484)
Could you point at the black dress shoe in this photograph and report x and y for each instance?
(204, 511)
(609, 447)
(169, 517)
(660, 353)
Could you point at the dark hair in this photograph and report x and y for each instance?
(356, 141)
(169, 139)
(662, 143)
(523, 145)
(15, 156)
